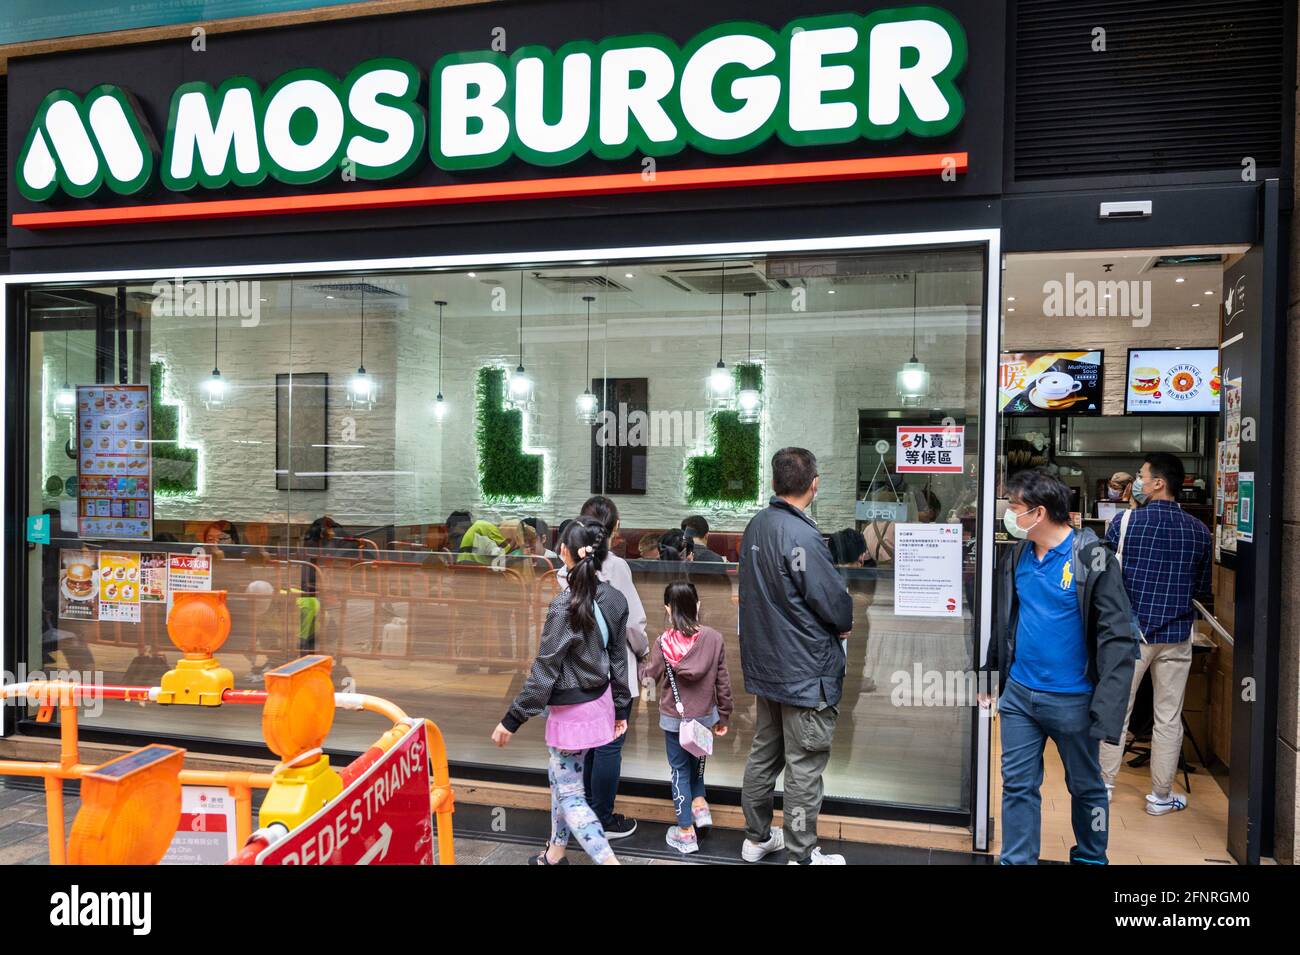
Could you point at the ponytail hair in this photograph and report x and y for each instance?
(588, 545)
(676, 544)
(683, 603)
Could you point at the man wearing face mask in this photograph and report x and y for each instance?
(1062, 649)
(1166, 556)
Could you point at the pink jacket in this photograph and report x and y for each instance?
(702, 678)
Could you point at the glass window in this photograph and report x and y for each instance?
(376, 467)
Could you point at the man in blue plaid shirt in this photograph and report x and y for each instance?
(1165, 553)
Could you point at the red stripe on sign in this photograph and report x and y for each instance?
(201, 822)
(721, 177)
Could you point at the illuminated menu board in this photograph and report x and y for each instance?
(114, 465)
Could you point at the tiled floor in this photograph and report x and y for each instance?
(1195, 836)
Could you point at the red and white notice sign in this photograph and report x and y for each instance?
(930, 449)
(383, 818)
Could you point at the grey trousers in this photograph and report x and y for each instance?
(797, 740)
(1169, 664)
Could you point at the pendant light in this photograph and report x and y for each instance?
(521, 386)
(214, 387)
(65, 399)
(587, 403)
(361, 389)
(721, 385)
(913, 379)
(439, 405)
(750, 401)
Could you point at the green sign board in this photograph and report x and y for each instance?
(729, 89)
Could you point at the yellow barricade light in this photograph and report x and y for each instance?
(130, 808)
(198, 625)
(297, 717)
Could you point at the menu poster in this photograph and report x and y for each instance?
(78, 586)
(930, 450)
(188, 572)
(927, 570)
(119, 586)
(1050, 382)
(1172, 381)
(1228, 466)
(153, 578)
(114, 462)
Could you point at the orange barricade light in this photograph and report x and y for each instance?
(130, 808)
(297, 717)
(198, 625)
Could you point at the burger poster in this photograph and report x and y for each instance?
(119, 586)
(78, 586)
(1172, 381)
(1055, 382)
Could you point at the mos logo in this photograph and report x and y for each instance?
(78, 144)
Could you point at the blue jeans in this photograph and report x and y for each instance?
(1029, 717)
(600, 777)
(686, 775)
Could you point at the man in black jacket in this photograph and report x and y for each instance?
(794, 611)
(1063, 648)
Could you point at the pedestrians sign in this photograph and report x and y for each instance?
(382, 818)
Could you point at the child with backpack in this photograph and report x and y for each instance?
(689, 662)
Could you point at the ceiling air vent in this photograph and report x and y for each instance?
(710, 279)
(568, 284)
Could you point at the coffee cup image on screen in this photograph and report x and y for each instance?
(1057, 382)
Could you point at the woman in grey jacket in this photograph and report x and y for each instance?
(580, 674)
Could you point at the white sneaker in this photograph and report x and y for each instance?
(683, 840)
(1159, 807)
(820, 858)
(754, 851)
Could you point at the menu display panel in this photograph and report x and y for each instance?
(114, 462)
(1172, 381)
(1050, 382)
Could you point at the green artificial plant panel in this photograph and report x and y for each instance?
(175, 468)
(730, 475)
(505, 471)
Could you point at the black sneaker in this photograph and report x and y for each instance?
(619, 827)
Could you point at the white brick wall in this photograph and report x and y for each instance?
(821, 369)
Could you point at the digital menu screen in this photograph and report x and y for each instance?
(114, 462)
(1172, 381)
(1050, 382)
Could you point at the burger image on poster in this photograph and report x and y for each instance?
(79, 582)
(1145, 380)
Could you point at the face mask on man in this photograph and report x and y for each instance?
(1140, 493)
(1011, 521)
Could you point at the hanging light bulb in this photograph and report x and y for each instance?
(587, 405)
(913, 380)
(65, 399)
(439, 405)
(520, 386)
(214, 386)
(361, 387)
(749, 402)
(214, 390)
(722, 387)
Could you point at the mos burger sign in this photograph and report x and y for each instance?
(819, 80)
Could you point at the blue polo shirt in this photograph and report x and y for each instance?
(1051, 650)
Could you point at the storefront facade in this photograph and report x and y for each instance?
(371, 270)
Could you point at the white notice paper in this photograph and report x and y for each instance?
(927, 570)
